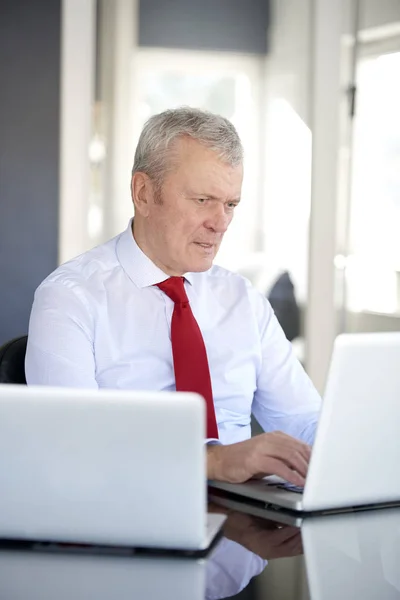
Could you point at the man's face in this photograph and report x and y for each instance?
(185, 227)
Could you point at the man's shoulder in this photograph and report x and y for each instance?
(222, 281)
(234, 287)
(88, 269)
(225, 275)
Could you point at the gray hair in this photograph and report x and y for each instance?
(160, 131)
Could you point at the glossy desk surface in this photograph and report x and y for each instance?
(340, 557)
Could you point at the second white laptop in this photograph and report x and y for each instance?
(104, 467)
(356, 456)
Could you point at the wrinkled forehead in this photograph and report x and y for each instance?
(196, 168)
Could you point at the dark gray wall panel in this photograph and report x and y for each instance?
(230, 25)
(29, 154)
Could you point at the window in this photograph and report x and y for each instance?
(373, 265)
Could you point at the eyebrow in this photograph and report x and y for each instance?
(211, 197)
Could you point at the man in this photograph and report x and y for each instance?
(110, 317)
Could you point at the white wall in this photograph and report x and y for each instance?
(375, 13)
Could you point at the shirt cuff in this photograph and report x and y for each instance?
(212, 441)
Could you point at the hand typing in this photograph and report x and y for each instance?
(273, 453)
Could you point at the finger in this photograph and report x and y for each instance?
(297, 463)
(286, 445)
(293, 460)
(293, 546)
(280, 537)
(286, 533)
(297, 446)
(275, 546)
(295, 441)
(280, 468)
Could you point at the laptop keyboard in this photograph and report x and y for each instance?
(285, 485)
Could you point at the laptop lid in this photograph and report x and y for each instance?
(356, 453)
(103, 467)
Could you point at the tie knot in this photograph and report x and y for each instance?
(175, 289)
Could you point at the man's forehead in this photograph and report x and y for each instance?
(188, 149)
(200, 170)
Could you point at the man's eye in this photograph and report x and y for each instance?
(201, 200)
(232, 205)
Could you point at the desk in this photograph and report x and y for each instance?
(352, 556)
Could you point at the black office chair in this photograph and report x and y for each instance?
(12, 361)
(283, 301)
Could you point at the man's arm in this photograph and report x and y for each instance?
(285, 399)
(286, 405)
(60, 347)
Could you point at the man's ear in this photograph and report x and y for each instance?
(142, 192)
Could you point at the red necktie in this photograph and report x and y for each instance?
(192, 373)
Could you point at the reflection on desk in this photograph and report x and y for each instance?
(353, 555)
(44, 574)
(37, 575)
(349, 556)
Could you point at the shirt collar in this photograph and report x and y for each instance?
(137, 265)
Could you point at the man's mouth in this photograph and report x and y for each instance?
(204, 245)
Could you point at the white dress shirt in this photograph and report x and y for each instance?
(99, 321)
(230, 569)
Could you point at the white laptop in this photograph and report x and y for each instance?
(104, 467)
(356, 455)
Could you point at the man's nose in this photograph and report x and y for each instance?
(219, 220)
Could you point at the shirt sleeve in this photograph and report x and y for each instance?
(230, 569)
(60, 339)
(285, 399)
